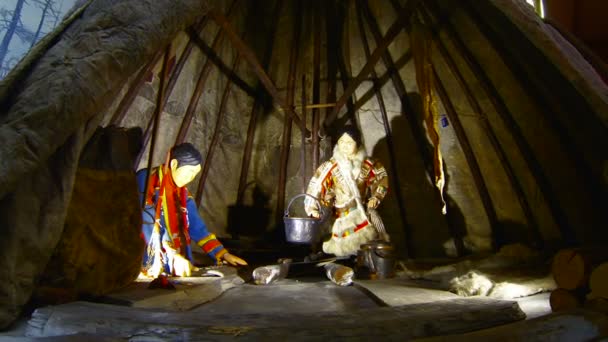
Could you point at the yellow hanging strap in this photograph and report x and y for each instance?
(421, 49)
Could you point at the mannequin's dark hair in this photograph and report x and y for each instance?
(186, 154)
(352, 131)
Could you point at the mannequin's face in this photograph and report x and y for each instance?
(183, 175)
(347, 145)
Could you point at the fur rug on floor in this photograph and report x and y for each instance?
(515, 271)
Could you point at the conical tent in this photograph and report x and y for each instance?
(492, 126)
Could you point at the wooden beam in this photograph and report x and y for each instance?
(170, 85)
(487, 128)
(157, 111)
(559, 112)
(316, 91)
(338, 37)
(389, 137)
(200, 83)
(478, 179)
(388, 38)
(318, 105)
(258, 104)
(303, 135)
(550, 197)
(250, 57)
(184, 58)
(131, 93)
(286, 137)
(221, 66)
(596, 61)
(216, 134)
(333, 29)
(409, 113)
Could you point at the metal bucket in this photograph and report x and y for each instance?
(303, 230)
(377, 258)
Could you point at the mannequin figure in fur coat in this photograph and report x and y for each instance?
(348, 182)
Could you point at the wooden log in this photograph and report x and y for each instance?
(562, 299)
(598, 281)
(572, 267)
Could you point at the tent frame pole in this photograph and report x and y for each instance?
(500, 152)
(389, 137)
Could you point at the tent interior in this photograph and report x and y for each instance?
(491, 122)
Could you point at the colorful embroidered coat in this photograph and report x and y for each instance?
(180, 221)
(348, 197)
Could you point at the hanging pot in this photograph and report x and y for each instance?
(303, 230)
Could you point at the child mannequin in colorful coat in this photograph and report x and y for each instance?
(349, 182)
(170, 205)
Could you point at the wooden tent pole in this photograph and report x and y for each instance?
(343, 59)
(286, 140)
(303, 135)
(260, 72)
(138, 81)
(257, 106)
(128, 98)
(157, 111)
(525, 149)
(555, 110)
(170, 85)
(507, 118)
(316, 91)
(216, 134)
(596, 62)
(183, 59)
(200, 84)
(480, 184)
(487, 128)
(408, 109)
(331, 30)
(388, 38)
(389, 137)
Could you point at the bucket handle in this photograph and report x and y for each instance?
(322, 211)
